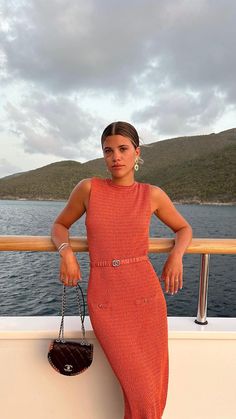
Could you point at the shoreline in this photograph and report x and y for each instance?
(180, 202)
(204, 202)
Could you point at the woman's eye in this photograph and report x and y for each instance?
(123, 148)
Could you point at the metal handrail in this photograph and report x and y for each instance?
(203, 290)
(202, 246)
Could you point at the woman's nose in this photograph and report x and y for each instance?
(116, 156)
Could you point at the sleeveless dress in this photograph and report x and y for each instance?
(126, 303)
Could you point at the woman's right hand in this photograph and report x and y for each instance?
(69, 268)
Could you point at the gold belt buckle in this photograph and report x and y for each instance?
(115, 263)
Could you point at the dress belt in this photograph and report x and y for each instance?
(117, 262)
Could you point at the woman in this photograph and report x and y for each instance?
(125, 300)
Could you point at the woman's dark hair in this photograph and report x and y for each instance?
(121, 128)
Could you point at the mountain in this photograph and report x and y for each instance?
(190, 169)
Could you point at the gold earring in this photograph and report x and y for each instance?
(136, 166)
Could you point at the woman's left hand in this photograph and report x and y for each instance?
(172, 272)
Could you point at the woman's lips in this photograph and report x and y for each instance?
(117, 167)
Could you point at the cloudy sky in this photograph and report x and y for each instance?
(70, 67)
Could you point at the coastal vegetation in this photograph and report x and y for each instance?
(190, 169)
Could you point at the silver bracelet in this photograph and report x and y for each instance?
(62, 246)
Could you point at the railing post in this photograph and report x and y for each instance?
(203, 290)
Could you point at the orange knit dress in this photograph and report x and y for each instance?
(126, 304)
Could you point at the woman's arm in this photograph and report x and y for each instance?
(75, 208)
(165, 210)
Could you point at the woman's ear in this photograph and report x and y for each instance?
(138, 151)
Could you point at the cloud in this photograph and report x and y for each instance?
(68, 45)
(7, 168)
(178, 112)
(53, 125)
(175, 58)
(190, 81)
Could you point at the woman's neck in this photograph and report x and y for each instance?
(123, 181)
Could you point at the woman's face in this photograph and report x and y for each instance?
(120, 155)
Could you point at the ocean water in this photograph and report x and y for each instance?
(29, 281)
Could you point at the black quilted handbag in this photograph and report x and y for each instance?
(70, 357)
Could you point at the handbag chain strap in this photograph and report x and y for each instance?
(61, 331)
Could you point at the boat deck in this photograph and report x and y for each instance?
(202, 378)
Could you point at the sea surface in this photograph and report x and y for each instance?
(29, 281)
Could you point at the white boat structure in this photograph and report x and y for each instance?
(202, 356)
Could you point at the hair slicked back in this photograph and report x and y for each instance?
(121, 128)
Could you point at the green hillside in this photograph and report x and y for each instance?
(189, 169)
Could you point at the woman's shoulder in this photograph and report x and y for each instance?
(84, 185)
(158, 197)
(80, 194)
(82, 189)
(155, 190)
